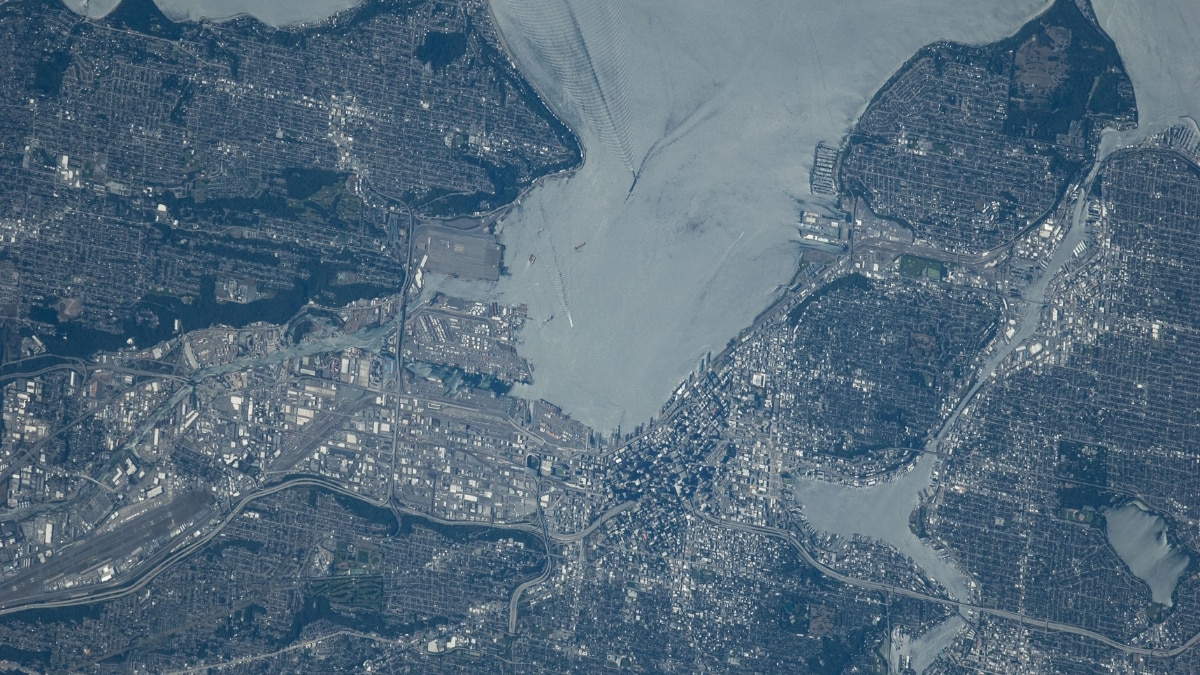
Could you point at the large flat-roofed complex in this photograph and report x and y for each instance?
(470, 255)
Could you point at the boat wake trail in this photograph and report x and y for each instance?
(583, 45)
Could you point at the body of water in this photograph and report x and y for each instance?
(1140, 538)
(699, 120)
(1157, 42)
(93, 9)
(920, 653)
(270, 12)
(881, 512)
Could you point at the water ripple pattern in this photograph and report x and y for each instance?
(583, 45)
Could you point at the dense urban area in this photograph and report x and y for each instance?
(243, 432)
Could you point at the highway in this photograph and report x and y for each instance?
(514, 601)
(167, 557)
(141, 578)
(958, 605)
